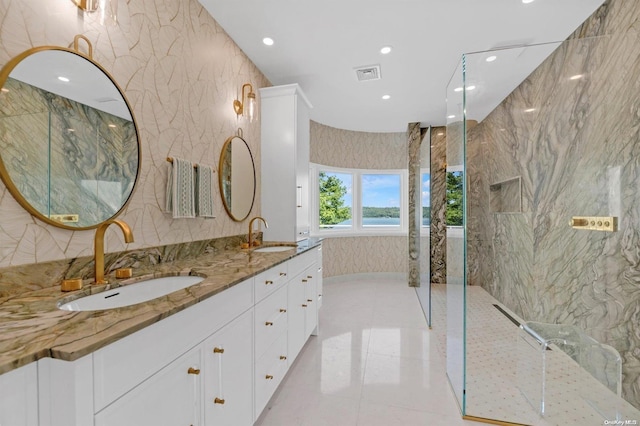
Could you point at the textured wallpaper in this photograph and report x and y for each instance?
(361, 150)
(180, 72)
(577, 154)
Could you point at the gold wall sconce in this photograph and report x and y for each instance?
(249, 108)
(87, 5)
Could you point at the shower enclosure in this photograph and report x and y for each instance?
(562, 146)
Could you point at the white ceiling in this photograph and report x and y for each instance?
(319, 43)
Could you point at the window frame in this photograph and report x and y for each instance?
(357, 229)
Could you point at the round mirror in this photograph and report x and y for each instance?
(237, 177)
(69, 145)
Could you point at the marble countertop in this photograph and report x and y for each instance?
(32, 327)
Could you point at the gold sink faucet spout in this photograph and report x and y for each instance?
(98, 245)
(251, 229)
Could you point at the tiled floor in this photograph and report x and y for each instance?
(374, 362)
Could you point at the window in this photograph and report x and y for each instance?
(335, 200)
(380, 199)
(453, 208)
(355, 201)
(425, 182)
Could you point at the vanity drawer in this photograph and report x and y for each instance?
(269, 372)
(122, 365)
(270, 280)
(270, 320)
(302, 262)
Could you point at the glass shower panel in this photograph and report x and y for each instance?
(541, 341)
(455, 298)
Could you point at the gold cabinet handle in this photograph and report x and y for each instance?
(268, 323)
(218, 401)
(309, 276)
(192, 370)
(304, 281)
(282, 357)
(309, 300)
(218, 350)
(304, 306)
(268, 377)
(283, 310)
(283, 274)
(268, 282)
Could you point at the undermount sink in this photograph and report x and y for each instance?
(131, 294)
(273, 249)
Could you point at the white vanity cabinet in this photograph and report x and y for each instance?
(285, 162)
(302, 298)
(172, 396)
(227, 374)
(19, 396)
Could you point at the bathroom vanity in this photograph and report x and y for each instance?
(213, 353)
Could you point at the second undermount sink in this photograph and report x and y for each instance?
(131, 294)
(273, 249)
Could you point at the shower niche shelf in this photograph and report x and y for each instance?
(506, 196)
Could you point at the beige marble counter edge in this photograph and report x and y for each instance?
(32, 327)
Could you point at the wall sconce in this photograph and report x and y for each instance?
(249, 108)
(87, 5)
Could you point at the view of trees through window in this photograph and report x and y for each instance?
(453, 209)
(380, 199)
(334, 199)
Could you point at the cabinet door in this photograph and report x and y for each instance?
(169, 397)
(19, 396)
(311, 300)
(228, 374)
(296, 313)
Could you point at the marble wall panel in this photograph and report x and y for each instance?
(415, 213)
(438, 232)
(180, 72)
(578, 154)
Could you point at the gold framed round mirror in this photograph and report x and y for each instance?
(69, 144)
(237, 178)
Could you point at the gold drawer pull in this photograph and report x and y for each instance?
(192, 370)
(283, 310)
(309, 300)
(268, 282)
(282, 357)
(283, 274)
(304, 281)
(304, 306)
(218, 350)
(309, 276)
(268, 377)
(268, 323)
(218, 401)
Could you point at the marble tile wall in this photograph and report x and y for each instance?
(415, 213)
(577, 154)
(438, 234)
(361, 150)
(180, 72)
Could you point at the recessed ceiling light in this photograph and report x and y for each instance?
(65, 79)
(385, 97)
(491, 58)
(458, 89)
(529, 110)
(385, 50)
(471, 87)
(268, 41)
(576, 77)
(527, 1)
(451, 116)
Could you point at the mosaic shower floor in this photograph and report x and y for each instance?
(573, 397)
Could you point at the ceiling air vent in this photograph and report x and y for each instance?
(371, 72)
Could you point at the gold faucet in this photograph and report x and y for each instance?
(255, 243)
(98, 245)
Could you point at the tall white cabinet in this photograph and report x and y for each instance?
(285, 162)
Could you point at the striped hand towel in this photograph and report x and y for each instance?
(204, 191)
(180, 197)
